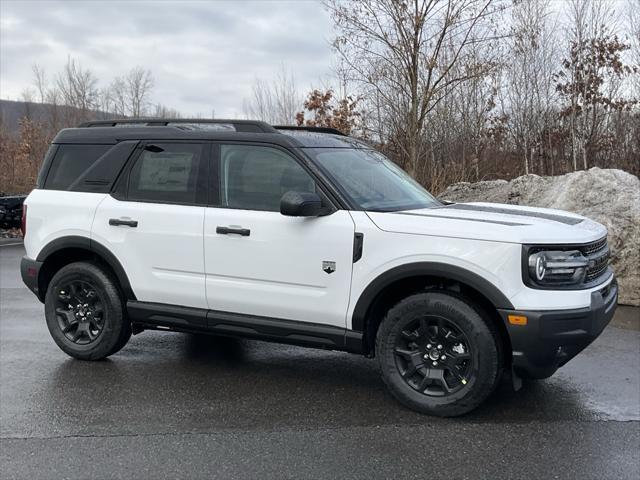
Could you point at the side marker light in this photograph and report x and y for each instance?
(517, 319)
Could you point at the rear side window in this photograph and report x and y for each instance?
(70, 162)
(169, 173)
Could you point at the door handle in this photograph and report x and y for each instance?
(245, 232)
(119, 221)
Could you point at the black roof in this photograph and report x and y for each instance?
(114, 131)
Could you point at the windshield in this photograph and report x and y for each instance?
(370, 180)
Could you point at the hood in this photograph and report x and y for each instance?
(493, 222)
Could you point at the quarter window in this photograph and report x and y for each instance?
(70, 162)
(168, 173)
(255, 177)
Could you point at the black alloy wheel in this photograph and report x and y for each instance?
(80, 312)
(434, 356)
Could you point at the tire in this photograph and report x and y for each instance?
(437, 354)
(85, 312)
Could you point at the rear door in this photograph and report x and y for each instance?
(261, 263)
(154, 224)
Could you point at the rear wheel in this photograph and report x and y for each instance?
(437, 354)
(85, 312)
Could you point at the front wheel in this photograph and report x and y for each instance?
(437, 354)
(85, 312)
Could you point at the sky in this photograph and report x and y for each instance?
(204, 55)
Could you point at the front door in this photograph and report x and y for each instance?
(259, 262)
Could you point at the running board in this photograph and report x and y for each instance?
(158, 316)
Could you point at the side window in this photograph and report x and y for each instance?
(168, 173)
(254, 177)
(70, 162)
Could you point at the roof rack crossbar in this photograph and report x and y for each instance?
(334, 131)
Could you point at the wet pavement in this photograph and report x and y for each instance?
(181, 406)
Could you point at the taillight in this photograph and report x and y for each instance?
(23, 223)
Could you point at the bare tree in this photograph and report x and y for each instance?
(162, 111)
(118, 97)
(261, 104)
(130, 95)
(139, 83)
(27, 96)
(634, 30)
(591, 77)
(53, 100)
(105, 103)
(78, 89)
(40, 81)
(403, 54)
(275, 102)
(530, 91)
(633, 25)
(472, 107)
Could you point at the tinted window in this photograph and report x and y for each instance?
(255, 177)
(167, 173)
(70, 162)
(101, 175)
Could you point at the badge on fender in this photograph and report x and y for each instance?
(328, 267)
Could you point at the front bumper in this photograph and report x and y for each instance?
(552, 338)
(30, 272)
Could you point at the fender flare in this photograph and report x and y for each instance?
(85, 243)
(432, 269)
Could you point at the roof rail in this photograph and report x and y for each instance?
(237, 125)
(334, 131)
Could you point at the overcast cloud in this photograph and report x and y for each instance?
(204, 55)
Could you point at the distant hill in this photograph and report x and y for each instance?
(12, 111)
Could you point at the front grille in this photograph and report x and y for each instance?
(598, 255)
(594, 247)
(595, 271)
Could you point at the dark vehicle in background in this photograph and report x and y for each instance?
(11, 210)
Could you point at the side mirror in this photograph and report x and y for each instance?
(301, 204)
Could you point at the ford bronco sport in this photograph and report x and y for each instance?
(309, 237)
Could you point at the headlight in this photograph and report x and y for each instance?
(548, 268)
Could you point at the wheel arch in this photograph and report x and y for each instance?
(65, 250)
(399, 282)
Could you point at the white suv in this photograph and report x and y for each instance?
(309, 237)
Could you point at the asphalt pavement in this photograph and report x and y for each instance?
(182, 406)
